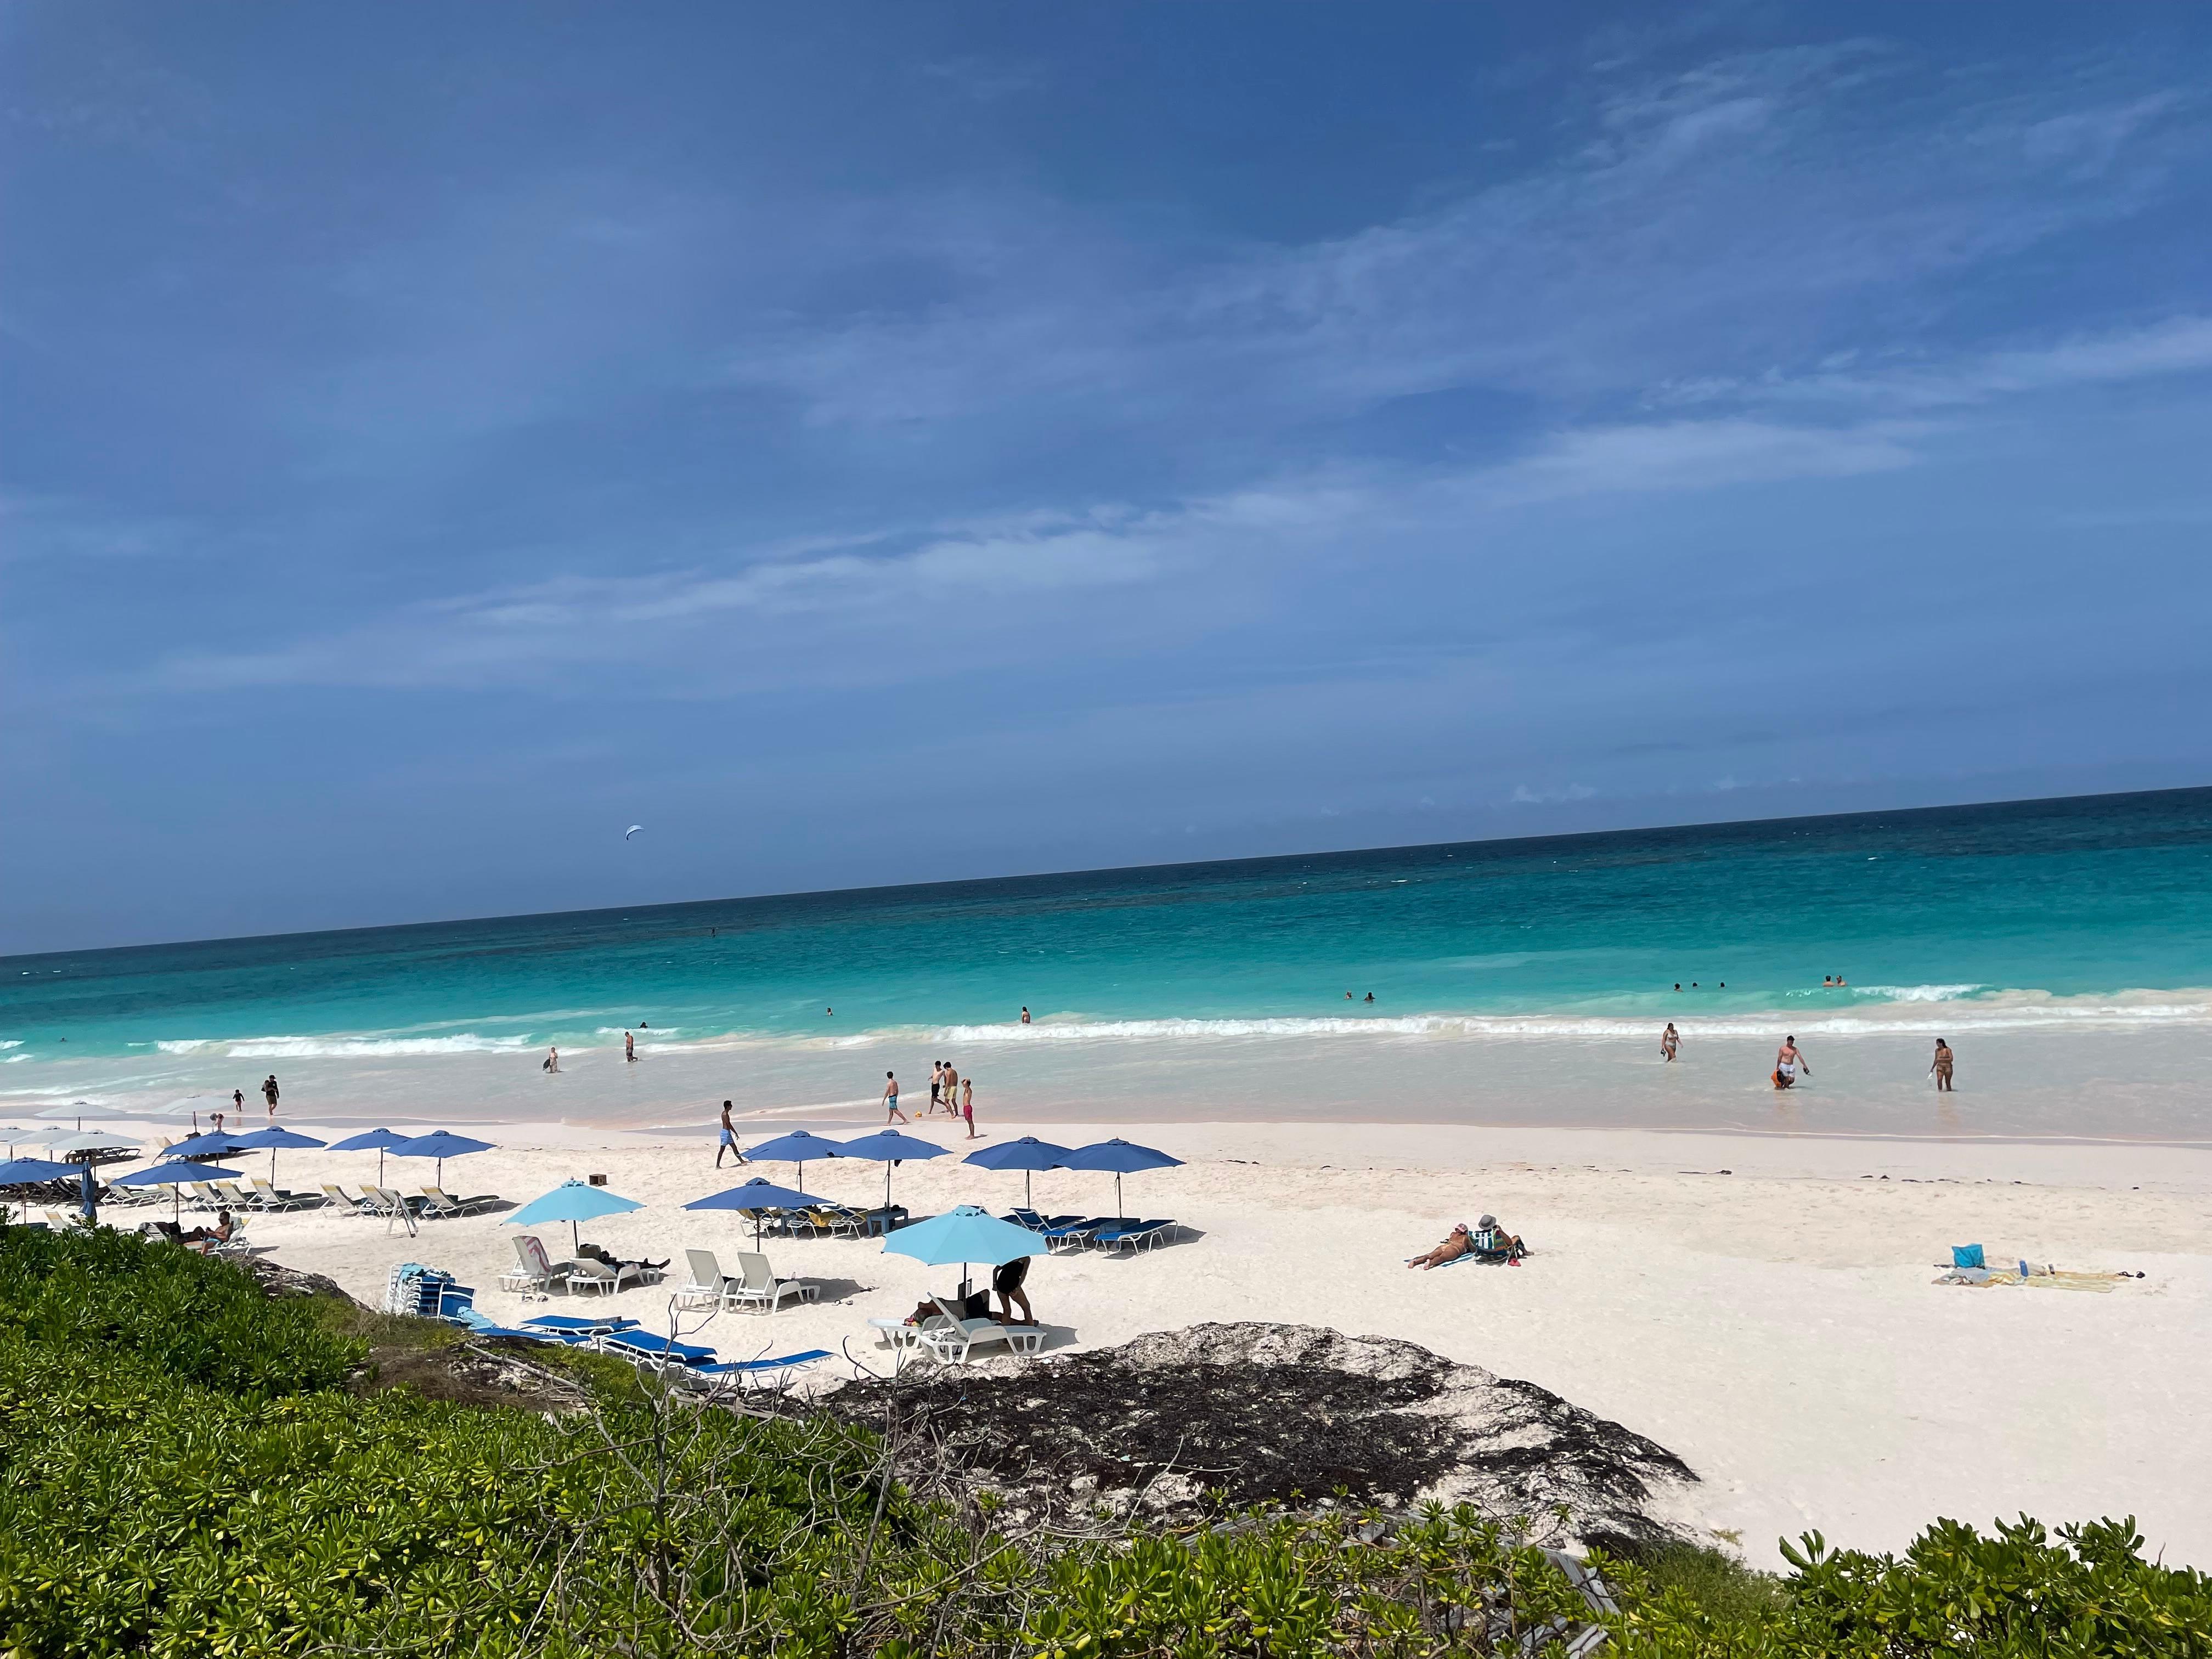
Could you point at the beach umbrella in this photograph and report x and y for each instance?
(798, 1147)
(887, 1147)
(12, 1137)
(757, 1194)
(37, 1171)
(1122, 1157)
(572, 1201)
(272, 1137)
(208, 1144)
(964, 1234)
(441, 1145)
(173, 1176)
(72, 1143)
(378, 1141)
(1029, 1154)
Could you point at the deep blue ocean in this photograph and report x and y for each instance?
(2009, 909)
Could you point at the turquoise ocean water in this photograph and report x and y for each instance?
(2096, 910)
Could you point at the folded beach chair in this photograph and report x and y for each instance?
(757, 1287)
(1074, 1235)
(269, 1196)
(531, 1274)
(951, 1337)
(344, 1202)
(436, 1200)
(391, 1201)
(1133, 1235)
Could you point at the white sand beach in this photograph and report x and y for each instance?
(1777, 1326)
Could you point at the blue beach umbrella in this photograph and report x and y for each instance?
(378, 1141)
(441, 1145)
(887, 1147)
(757, 1194)
(1122, 1157)
(210, 1144)
(272, 1137)
(173, 1176)
(37, 1171)
(572, 1201)
(964, 1234)
(1029, 1154)
(798, 1147)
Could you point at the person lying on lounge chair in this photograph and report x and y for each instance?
(978, 1306)
(1456, 1243)
(1008, 1281)
(204, 1237)
(606, 1258)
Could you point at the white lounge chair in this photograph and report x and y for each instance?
(532, 1275)
(598, 1277)
(757, 1287)
(344, 1202)
(436, 1200)
(704, 1288)
(268, 1196)
(951, 1341)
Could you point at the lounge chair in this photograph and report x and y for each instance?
(703, 1288)
(573, 1325)
(436, 1200)
(478, 1324)
(774, 1373)
(1134, 1235)
(835, 1219)
(757, 1287)
(1074, 1235)
(532, 1275)
(600, 1278)
(642, 1347)
(1037, 1224)
(270, 1196)
(344, 1201)
(233, 1196)
(236, 1244)
(952, 1340)
(204, 1197)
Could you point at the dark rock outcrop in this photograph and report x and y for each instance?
(1176, 1423)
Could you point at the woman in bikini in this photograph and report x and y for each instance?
(1669, 1041)
(1941, 1071)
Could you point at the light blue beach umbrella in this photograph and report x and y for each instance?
(1029, 1154)
(441, 1145)
(378, 1141)
(964, 1234)
(887, 1147)
(272, 1137)
(572, 1201)
(173, 1176)
(798, 1147)
(1122, 1157)
(757, 1195)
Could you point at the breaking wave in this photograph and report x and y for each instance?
(342, 1048)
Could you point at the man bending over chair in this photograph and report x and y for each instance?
(1007, 1281)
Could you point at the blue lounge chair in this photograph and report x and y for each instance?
(749, 1373)
(476, 1324)
(1133, 1235)
(573, 1325)
(1037, 1224)
(1074, 1235)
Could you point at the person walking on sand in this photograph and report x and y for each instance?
(1787, 1063)
(952, 1091)
(729, 1137)
(968, 1104)
(268, 1094)
(1941, 1071)
(1669, 1041)
(890, 1099)
(936, 1086)
(629, 1046)
(238, 1105)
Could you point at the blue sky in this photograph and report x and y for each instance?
(875, 444)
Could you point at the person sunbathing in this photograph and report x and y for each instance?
(1456, 1243)
(606, 1258)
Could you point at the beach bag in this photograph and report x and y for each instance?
(1966, 1255)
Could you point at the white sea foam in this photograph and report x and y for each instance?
(1916, 992)
(12, 1042)
(342, 1046)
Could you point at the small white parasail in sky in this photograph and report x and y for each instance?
(632, 830)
